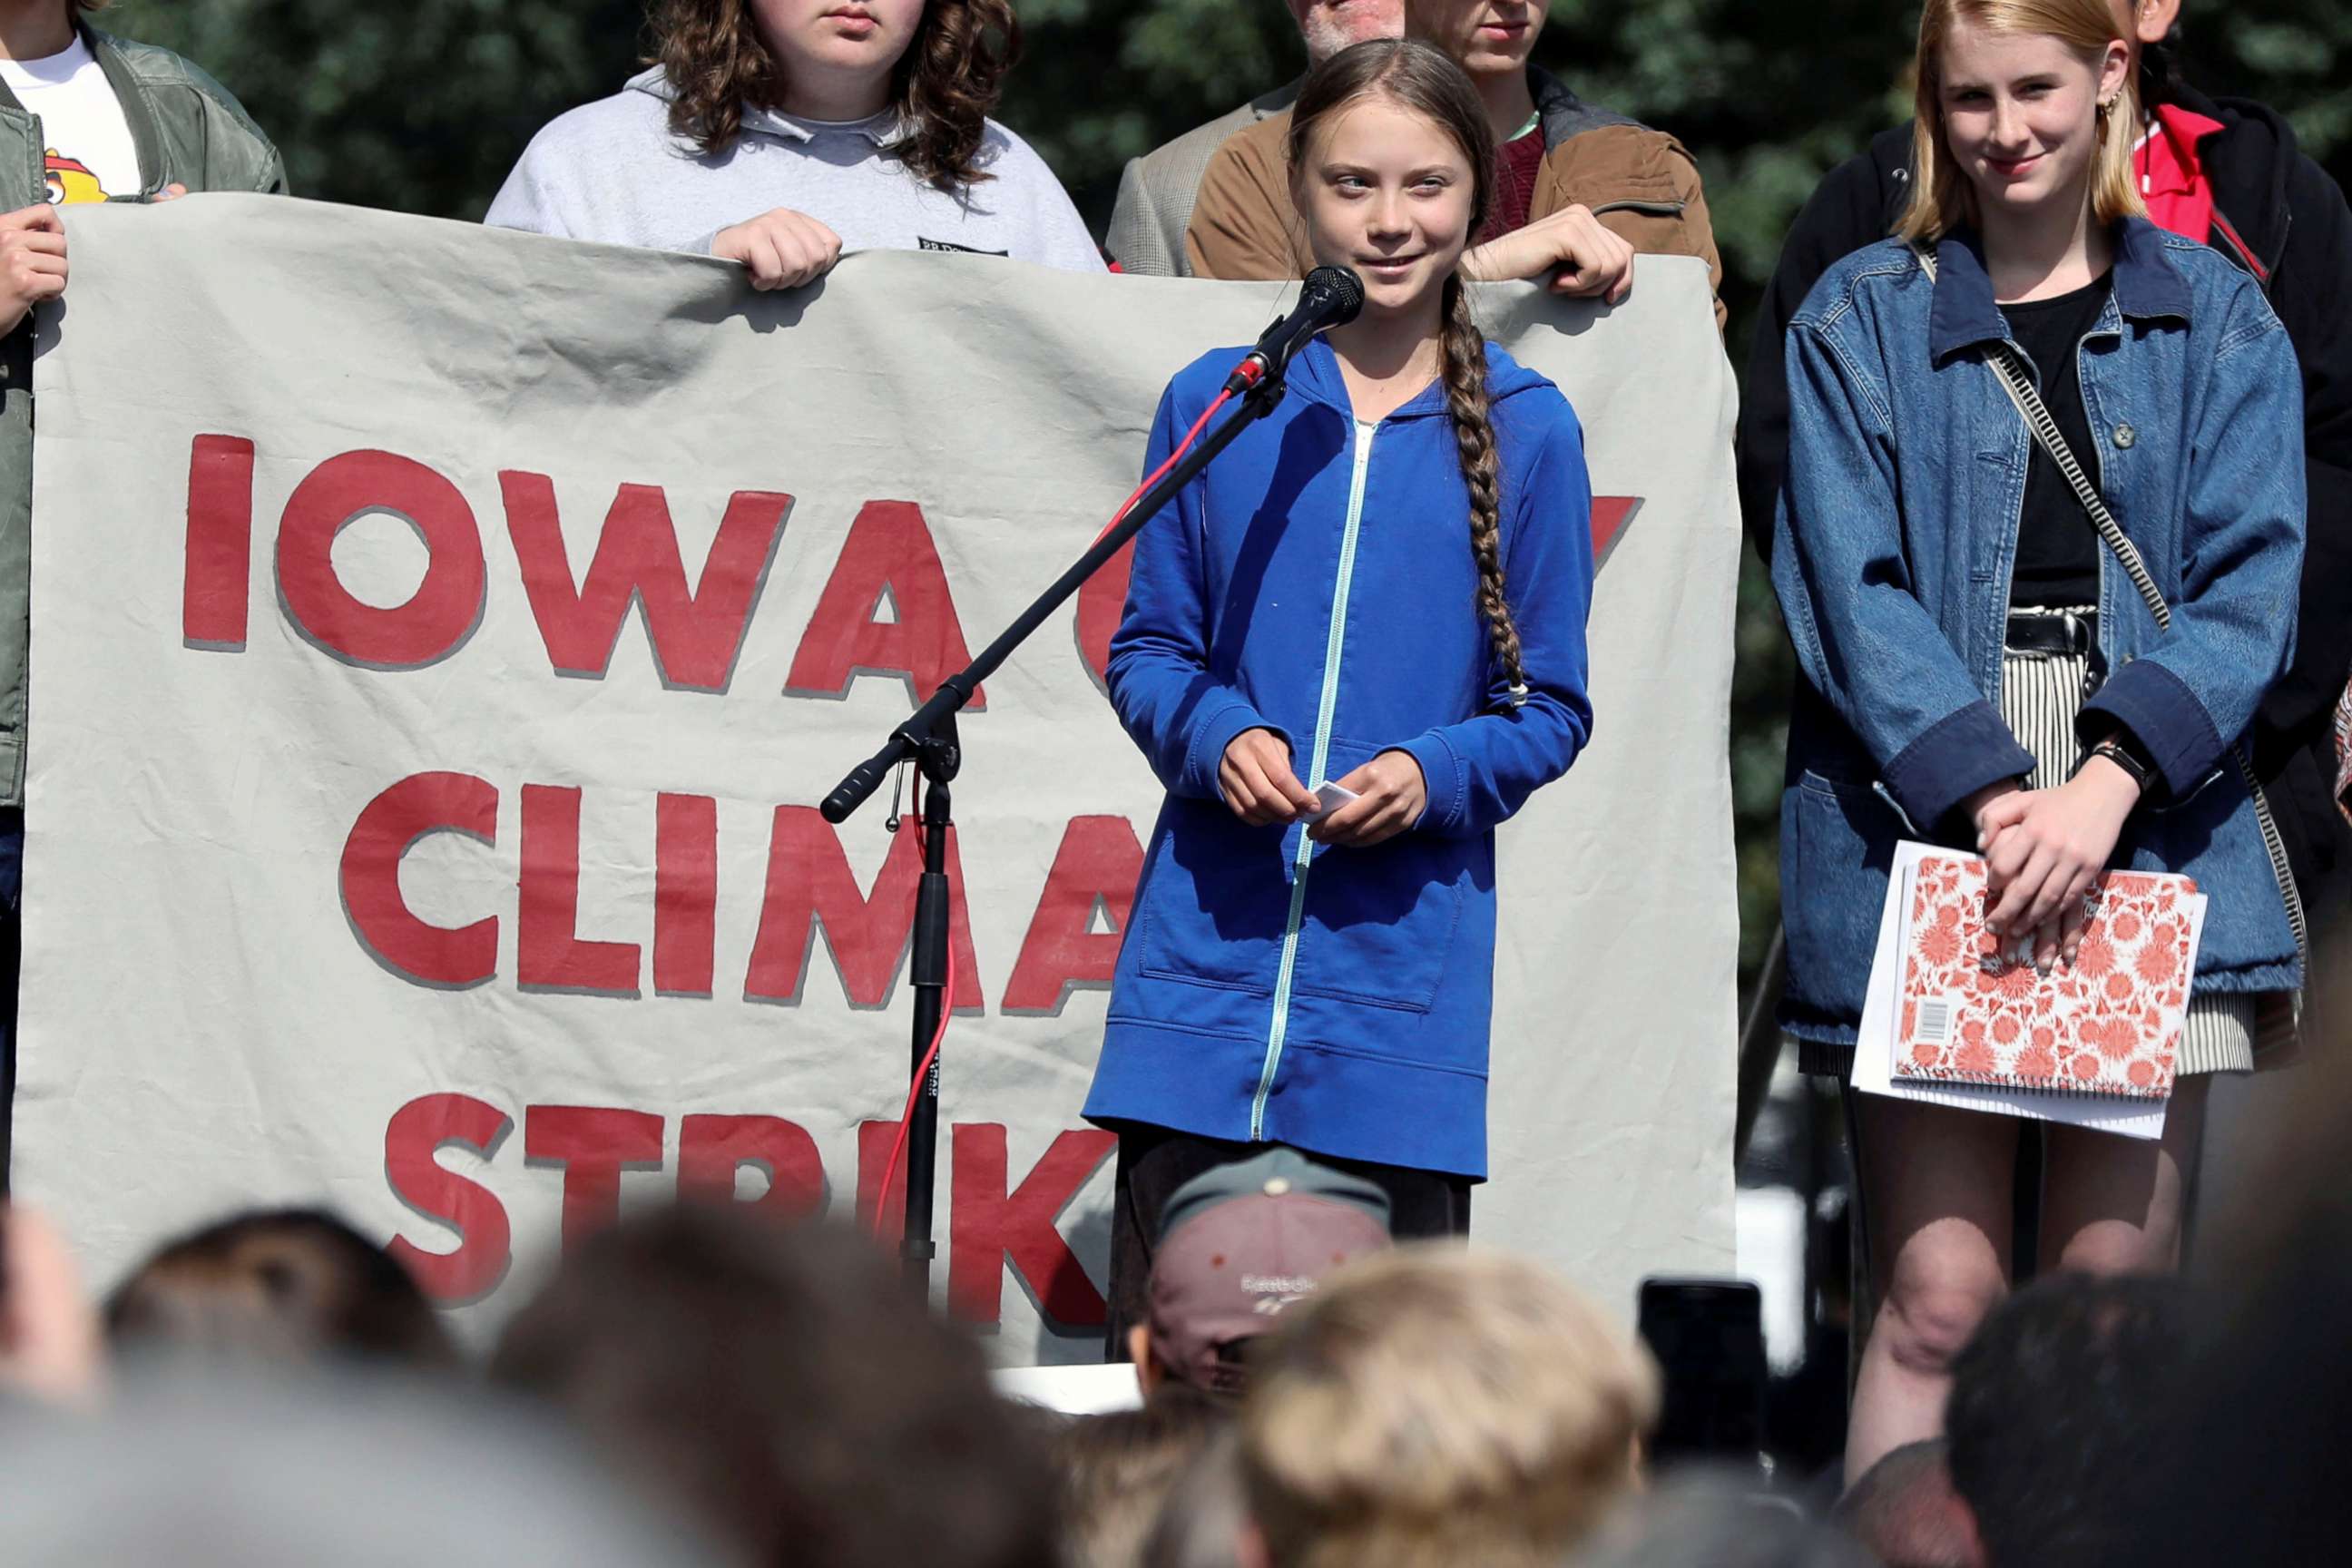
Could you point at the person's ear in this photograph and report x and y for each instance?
(1149, 1374)
(2115, 71)
(2152, 20)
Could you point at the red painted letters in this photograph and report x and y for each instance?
(594, 1144)
(214, 592)
(485, 1241)
(987, 1225)
(1102, 599)
(390, 823)
(810, 885)
(1096, 865)
(696, 634)
(889, 550)
(442, 613)
(711, 1149)
(549, 954)
(685, 893)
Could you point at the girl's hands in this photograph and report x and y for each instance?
(32, 261)
(1260, 788)
(1390, 794)
(1585, 259)
(781, 248)
(1256, 780)
(2043, 849)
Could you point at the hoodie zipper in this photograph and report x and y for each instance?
(1303, 862)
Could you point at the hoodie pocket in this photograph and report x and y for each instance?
(1379, 923)
(1213, 900)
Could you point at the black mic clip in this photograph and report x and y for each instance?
(1329, 297)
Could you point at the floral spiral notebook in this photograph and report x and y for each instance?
(2110, 1025)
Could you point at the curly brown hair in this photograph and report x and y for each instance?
(943, 86)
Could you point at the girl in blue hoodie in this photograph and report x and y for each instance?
(1385, 585)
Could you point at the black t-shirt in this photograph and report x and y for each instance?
(2057, 550)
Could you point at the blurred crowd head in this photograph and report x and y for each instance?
(781, 1382)
(273, 1287)
(1436, 1406)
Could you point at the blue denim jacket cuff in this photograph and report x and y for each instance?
(1958, 755)
(2165, 716)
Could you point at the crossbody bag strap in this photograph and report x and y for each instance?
(2009, 367)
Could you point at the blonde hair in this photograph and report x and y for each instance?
(1941, 197)
(1432, 1406)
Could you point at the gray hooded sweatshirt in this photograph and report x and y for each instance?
(612, 170)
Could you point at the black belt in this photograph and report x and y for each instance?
(2052, 632)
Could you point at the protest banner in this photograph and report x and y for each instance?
(442, 637)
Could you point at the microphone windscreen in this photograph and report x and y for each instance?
(1341, 285)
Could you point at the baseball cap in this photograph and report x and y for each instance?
(1240, 1243)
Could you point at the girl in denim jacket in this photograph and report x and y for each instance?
(1383, 583)
(1980, 669)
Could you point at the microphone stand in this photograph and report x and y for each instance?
(928, 738)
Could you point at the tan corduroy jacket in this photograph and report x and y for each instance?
(1640, 184)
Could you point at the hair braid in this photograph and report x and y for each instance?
(1465, 350)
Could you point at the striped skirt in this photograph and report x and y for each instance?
(2039, 695)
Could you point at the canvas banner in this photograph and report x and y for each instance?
(443, 637)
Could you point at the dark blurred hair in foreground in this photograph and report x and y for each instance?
(285, 1287)
(2056, 1423)
(782, 1384)
(1116, 1470)
(1203, 1517)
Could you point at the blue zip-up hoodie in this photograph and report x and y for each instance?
(1318, 581)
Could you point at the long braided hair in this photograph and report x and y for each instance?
(1423, 79)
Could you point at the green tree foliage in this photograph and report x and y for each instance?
(423, 105)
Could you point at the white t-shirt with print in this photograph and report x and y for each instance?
(84, 132)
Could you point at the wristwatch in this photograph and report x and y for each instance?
(2118, 750)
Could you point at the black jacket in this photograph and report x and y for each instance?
(2280, 216)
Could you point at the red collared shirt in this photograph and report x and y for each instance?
(2172, 178)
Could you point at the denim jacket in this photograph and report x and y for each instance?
(1893, 544)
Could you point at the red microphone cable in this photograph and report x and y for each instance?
(930, 1056)
(915, 817)
(1152, 477)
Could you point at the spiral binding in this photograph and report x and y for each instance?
(1997, 1080)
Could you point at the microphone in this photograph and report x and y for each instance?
(1332, 297)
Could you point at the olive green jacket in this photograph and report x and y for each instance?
(188, 132)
